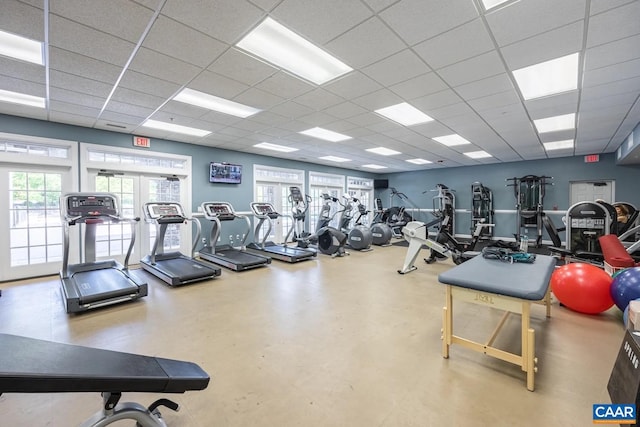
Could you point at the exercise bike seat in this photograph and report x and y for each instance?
(30, 365)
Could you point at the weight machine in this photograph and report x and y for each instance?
(482, 209)
(529, 192)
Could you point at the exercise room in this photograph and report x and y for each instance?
(319, 213)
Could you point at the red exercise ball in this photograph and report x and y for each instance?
(581, 287)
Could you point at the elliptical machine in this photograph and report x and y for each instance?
(299, 207)
(359, 236)
(329, 240)
(381, 233)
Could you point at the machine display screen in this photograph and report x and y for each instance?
(164, 210)
(91, 205)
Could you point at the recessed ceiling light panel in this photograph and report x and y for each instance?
(558, 145)
(405, 114)
(325, 134)
(383, 151)
(548, 78)
(451, 140)
(478, 154)
(275, 147)
(170, 127)
(556, 123)
(334, 159)
(283, 48)
(204, 100)
(418, 161)
(21, 98)
(22, 48)
(372, 166)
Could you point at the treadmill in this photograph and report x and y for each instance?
(265, 212)
(174, 268)
(92, 284)
(226, 255)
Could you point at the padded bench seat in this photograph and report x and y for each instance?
(30, 365)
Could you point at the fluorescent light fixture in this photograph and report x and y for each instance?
(204, 100)
(548, 78)
(383, 151)
(451, 140)
(155, 124)
(325, 134)
(334, 159)
(418, 161)
(275, 147)
(21, 98)
(405, 114)
(283, 48)
(374, 166)
(556, 123)
(21, 48)
(558, 145)
(478, 154)
(489, 4)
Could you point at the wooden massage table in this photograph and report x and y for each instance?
(511, 287)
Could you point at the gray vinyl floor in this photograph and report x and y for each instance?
(328, 342)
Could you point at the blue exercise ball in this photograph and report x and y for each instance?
(626, 287)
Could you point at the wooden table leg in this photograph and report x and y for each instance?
(447, 323)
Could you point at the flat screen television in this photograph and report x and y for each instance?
(380, 183)
(225, 173)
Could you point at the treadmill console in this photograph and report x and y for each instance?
(264, 209)
(86, 205)
(221, 210)
(164, 211)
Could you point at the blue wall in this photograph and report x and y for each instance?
(563, 170)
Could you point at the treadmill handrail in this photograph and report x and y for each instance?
(161, 226)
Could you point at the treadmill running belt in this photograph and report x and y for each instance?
(185, 268)
(99, 285)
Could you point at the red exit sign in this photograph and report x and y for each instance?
(141, 141)
(592, 158)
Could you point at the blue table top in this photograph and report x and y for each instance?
(518, 280)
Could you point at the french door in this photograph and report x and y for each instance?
(134, 190)
(278, 195)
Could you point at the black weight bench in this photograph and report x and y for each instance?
(30, 365)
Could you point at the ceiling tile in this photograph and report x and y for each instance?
(408, 17)
(458, 44)
(489, 86)
(614, 24)
(22, 19)
(612, 53)
(83, 66)
(168, 36)
(365, 44)
(612, 73)
(217, 85)
(543, 47)
(319, 99)
(163, 67)
(477, 68)
(71, 36)
(285, 85)
(71, 97)
(396, 68)
(599, 6)
(379, 99)
(225, 20)
(147, 84)
(322, 21)
(524, 19)
(120, 18)
(419, 86)
(79, 84)
(352, 85)
(22, 86)
(26, 71)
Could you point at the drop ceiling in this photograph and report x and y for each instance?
(115, 64)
